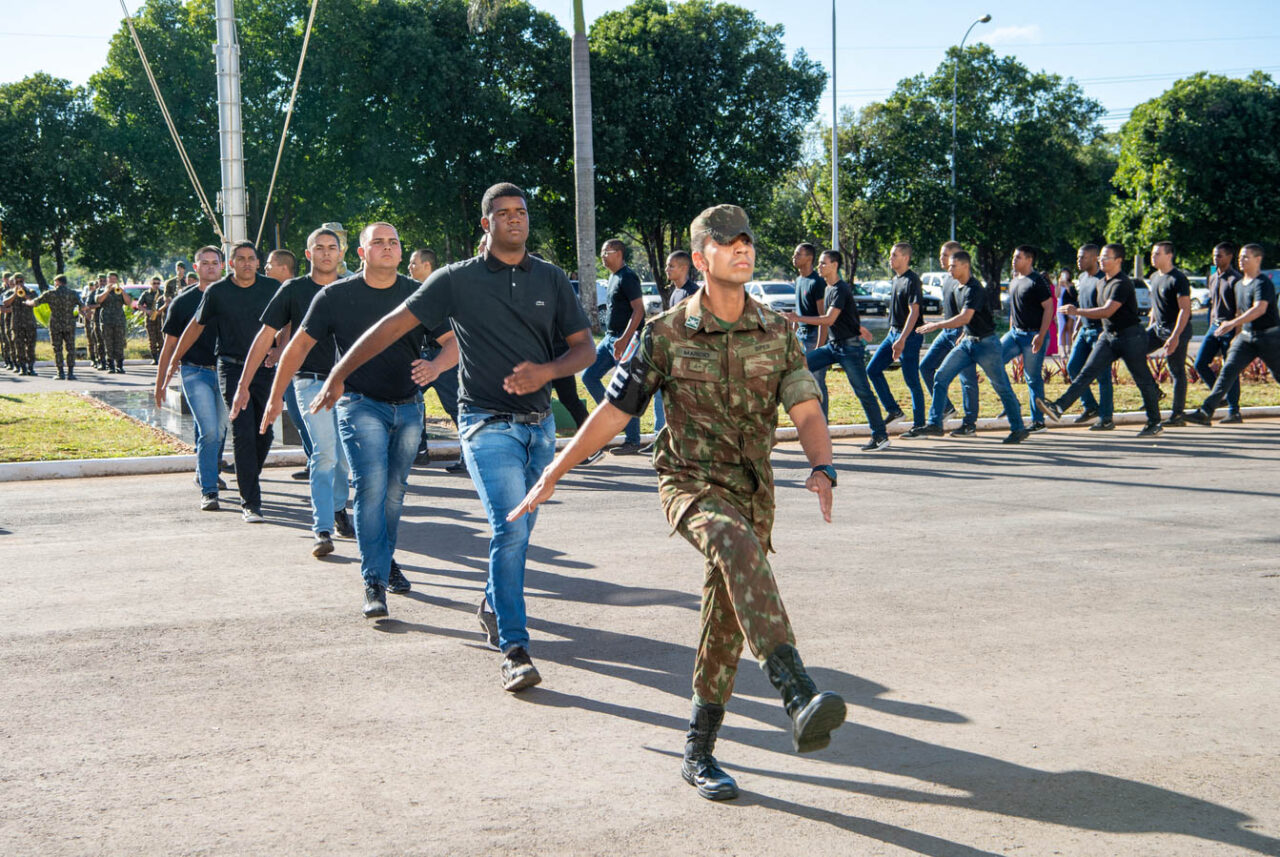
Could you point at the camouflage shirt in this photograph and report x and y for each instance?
(149, 301)
(721, 386)
(111, 311)
(23, 316)
(63, 303)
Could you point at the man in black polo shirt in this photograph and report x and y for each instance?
(1030, 317)
(1088, 286)
(1259, 324)
(680, 274)
(811, 289)
(506, 308)
(1169, 334)
(232, 307)
(326, 460)
(626, 312)
(1222, 307)
(1122, 339)
(378, 404)
(903, 341)
(942, 345)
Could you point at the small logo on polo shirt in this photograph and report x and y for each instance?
(539, 303)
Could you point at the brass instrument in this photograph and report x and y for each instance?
(19, 291)
(118, 289)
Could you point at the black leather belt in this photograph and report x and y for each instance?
(408, 401)
(234, 361)
(197, 365)
(313, 376)
(535, 418)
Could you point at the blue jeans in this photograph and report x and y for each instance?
(1210, 347)
(381, 441)
(910, 373)
(1017, 342)
(988, 353)
(852, 357)
(810, 342)
(294, 411)
(327, 460)
(659, 412)
(504, 460)
(204, 398)
(591, 379)
(938, 351)
(1086, 338)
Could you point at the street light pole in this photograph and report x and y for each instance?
(954, 72)
(835, 150)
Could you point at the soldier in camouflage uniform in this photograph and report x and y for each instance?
(92, 326)
(151, 302)
(22, 323)
(175, 284)
(6, 313)
(111, 302)
(723, 364)
(63, 303)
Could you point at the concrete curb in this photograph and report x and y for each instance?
(439, 450)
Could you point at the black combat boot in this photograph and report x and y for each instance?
(813, 715)
(700, 768)
(62, 376)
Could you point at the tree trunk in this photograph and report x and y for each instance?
(656, 251)
(989, 263)
(59, 258)
(36, 271)
(584, 171)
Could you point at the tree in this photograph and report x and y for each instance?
(1200, 164)
(724, 112)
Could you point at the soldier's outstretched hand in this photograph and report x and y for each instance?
(540, 493)
(820, 485)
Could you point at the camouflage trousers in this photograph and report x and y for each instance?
(6, 344)
(112, 344)
(155, 338)
(24, 343)
(63, 339)
(91, 337)
(740, 600)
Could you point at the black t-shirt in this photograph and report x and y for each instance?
(1120, 289)
(624, 287)
(1165, 291)
(683, 293)
(972, 295)
(233, 311)
(907, 290)
(502, 315)
(839, 296)
(809, 290)
(1222, 295)
(178, 314)
(1260, 288)
(289, 306)
(950, 300)
(341, 313)
(1087, 293)
(1026, 298)
(1070, 296)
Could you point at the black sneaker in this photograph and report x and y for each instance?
(1050, 408)
(949, 412)
(876, 443)
(1103, 425)
(300, 475)
(965, 430)
(342, 525)
(894, 417)
(1035, 427)
(209, 503)
(458, 466)
(489, 625)
(375, 601)
(1151, 430)
(322, 546)
(593, 457)
(926, 430)
(1175, 421)
(1198, 417)
(1089, 415)
(1230, 418)
(626, 449)
(222, 486)
(518, 671)
(397, 583)
(1016, 436)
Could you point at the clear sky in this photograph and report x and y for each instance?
(1121, 53)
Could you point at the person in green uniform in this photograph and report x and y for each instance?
(110, 317)
(6, 335)
(723, 365)
(63, 303)
(151, 303)
(22, 324)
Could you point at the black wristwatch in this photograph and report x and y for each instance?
(828, 471)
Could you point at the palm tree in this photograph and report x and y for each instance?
(481, 11)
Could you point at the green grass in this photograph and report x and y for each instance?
(57, 426)
(134, 349)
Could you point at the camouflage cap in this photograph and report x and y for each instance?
(724, 223)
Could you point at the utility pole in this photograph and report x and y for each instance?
(835, 149)
(231, 199)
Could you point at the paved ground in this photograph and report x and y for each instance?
(1067, 647)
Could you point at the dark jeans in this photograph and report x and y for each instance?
(988, 353)
(1210, 347)
(938, 351)
(247, 445)
(1104, 404)
(910, 373)
(1245, 348)
(1177, 363)
(591, 379)
(810, 342)
(566, 390)
(851, 354)
(1131, 347)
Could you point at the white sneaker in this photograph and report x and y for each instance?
(251, 515)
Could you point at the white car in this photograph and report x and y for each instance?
(931, 282)
(1143, 294)
(1199, 292)
(777, 295)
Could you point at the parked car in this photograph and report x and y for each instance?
(932, 282)
(1199, 292)
(880, 288)
(777, 295)
(1144, 294)
(652, 299)
(868, 302)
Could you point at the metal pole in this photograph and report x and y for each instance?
(835, 149)
(230, 131)
(955, 68)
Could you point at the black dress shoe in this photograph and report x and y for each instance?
(375, 601)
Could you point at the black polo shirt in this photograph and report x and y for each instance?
(341, 313)
(1087, 290)
(1165, 291)
(839, 295)
(972, 295)
(810, 289)
(624, 287)
(234, 312)
(178, 314)
(1222, 295)
(950, 301)
(288, 307)
(1120, 289)
(907, 290)
(1026, 298)
(1260, 288)
(502, 315)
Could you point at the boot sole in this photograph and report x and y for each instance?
(709, 794)
(323, 549)
(523, 681)
(826, 712)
